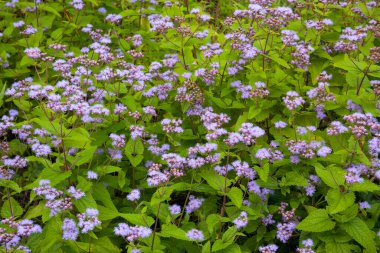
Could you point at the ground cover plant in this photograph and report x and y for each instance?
(190, 126)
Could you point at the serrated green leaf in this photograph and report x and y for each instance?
(220, 245)
(339, 201)
(214, 180)
(138, 219)
(333, 247)
(365, 186)
(50, 9)
(101, 193)
(361, 233)
(293, 178)
(317, 221)
(10, 185)
(173, 231)
(230, 234)
(11, 208)
(347, 214)
(85, 202)
(206, 247)
(135, 160)
(263, 172)
(330, 175)
(107, 213)
(236, 196)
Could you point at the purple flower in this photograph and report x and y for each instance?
(193, 204)
(285, 231)
(118, 141)
(271, 248)
(26, 228)
(92, 175)
(134, 195)
(241, 221)
(195, 235)
(266, 221)
(280, 124)
(76, 194)
(33, 52)
(88, 220)
(364, 205)
(293, 100)
(132, 234)
(324, 151)
(77, 4)
(175, 209)
(69, 229)
(41, 149)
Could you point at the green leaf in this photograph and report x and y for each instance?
(173, 231)
(348, 64)
(35, 211)
(277, 59)
(49, 240)
(107, 213)
(2, 94)
(10, 184)
(233, 248)
(135, 160)
(206, 247)
(214, 180)
(236, 196)
(361, 233)
(107, 169)
(134, 147)
(334, 247)
(339, 201)
(212, 221)
(219, 245)
(332, 176)
(26, 61)
(11, 208)
(104, 244)
(129, 12)
(121, 178)
(84, 156)
(365, 186)
(229, 235)
(263, 172)
(83, 184)
(347, 214)
(162, 194)
(47, 8)
(53, 127)
(54, 174)
(78, 138)
(293, 178)
(138, 219)
(317, 221)
(100, 193)
(139, 147)
(85, 202)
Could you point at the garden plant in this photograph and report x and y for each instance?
(226, 126)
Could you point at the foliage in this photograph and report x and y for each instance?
(190, 126)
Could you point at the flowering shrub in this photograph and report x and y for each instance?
(190, 126)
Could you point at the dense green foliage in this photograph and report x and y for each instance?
(190, 126)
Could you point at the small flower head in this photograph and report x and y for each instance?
(195, 235)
